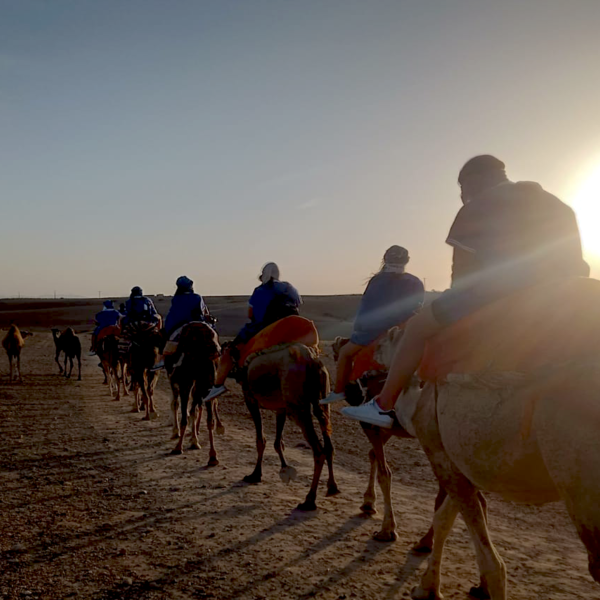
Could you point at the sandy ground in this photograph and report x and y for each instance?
(93, 506)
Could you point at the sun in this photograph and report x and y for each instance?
(586, 202)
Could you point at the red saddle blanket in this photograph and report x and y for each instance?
(287, 330)
(365, 361)
(110, 330)
(546, 324)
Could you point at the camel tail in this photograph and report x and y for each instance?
(567, 422)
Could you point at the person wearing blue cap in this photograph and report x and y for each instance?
(186, 306)
(140, 308)
(109, 316)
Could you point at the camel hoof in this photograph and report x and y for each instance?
(368, 509)
(175, 435)
(153, 415)
(146, 418)
(105, 383)
(479, 592)
(220, 430)
(418, 593)
(252, 478)
(332, 490)
(385, 536)
(213, 461)
(421, 547)
(176, 451)
(288, 474)
(195, 446)
(307, 506)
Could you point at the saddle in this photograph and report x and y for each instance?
(289, 330)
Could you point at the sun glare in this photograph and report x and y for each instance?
(586, 202)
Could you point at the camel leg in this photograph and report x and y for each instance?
(152, 381)
(220, 427)
(378, 438)
(465, 496)
(323, 417)
(174, 411)
(57, 361)
(286, 473)
(425, 544)
(566, 422)
(117, 380)
(213, 461)
(308, 429)
(370, 495)
(443, 520)
(256, 475)
(195, 416)
(185, 397)
(10, 368)
(124, 377)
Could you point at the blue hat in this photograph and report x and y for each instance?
(137, 291)
(184, 283)
(108, 304)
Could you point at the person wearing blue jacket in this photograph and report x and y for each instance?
(391, 298)
(186, 306)
(107, 317)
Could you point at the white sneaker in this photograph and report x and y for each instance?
(91, 353)
(370, 413)
(215, 392)
(333, 397)
(158, 366)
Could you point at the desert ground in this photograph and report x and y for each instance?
(92, 505)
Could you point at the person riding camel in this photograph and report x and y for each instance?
(391, 298)
(271, 300)
(506, 237)
(107, 317)
(140, 309)
(186, 306)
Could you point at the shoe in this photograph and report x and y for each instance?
(216, 391)
(370, 413)
(91, 353)
(158, 366)
(333, 397)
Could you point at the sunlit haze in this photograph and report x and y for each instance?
(142, 140)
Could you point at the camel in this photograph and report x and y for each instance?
(530, 436)
(113, 366)
(356, 393)
(290, 379)
(143, 354)
(70, 344)
(13, 343)
(192, 371)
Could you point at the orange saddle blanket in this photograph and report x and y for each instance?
(365, 361)
(285, 331)
(546, 324)
(110, 330)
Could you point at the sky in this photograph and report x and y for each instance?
(143, 140)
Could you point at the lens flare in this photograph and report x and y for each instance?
(586, 202)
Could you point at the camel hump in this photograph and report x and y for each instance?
(544, 325)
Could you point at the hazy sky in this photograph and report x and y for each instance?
(142, 140)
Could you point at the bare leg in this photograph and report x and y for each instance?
(225, 366)
(344, 366)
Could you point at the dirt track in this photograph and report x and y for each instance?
(93, 506)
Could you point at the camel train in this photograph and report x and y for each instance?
(13, 343)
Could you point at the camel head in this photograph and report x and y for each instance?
(337, 345)
(26, 334)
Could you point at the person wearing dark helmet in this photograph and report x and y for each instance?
(107, 317)
(506, 237)
(391, 298)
